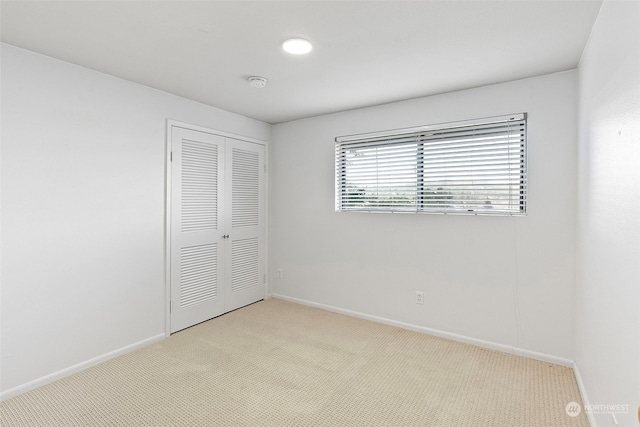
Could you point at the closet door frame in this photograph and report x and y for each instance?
(170, 125)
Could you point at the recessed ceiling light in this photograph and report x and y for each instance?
(297, 46)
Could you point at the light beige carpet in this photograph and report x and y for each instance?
(275, 363)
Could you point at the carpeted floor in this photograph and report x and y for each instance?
(275, 363)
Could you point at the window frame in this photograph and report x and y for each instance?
(518, 178)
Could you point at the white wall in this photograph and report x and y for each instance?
(608, 292)
(83, 173)
(503, 280)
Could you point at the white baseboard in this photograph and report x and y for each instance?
(435, 332)
(13, 392)
(583, 394)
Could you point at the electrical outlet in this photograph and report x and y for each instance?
(279, 273)
(419, 297)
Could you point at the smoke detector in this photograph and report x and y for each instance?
(256, 81)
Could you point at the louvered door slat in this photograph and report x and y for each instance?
(198, 275)
(244, 264)
(199, 187)
(245, 188)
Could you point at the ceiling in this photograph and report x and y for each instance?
(365, 52)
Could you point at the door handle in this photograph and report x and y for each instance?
(225, 236)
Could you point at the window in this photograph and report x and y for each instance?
(472, 167)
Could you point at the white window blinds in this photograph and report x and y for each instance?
(474, 167)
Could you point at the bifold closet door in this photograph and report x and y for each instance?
(244, 198)
(197, 242)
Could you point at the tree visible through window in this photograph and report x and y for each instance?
(473, 167)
